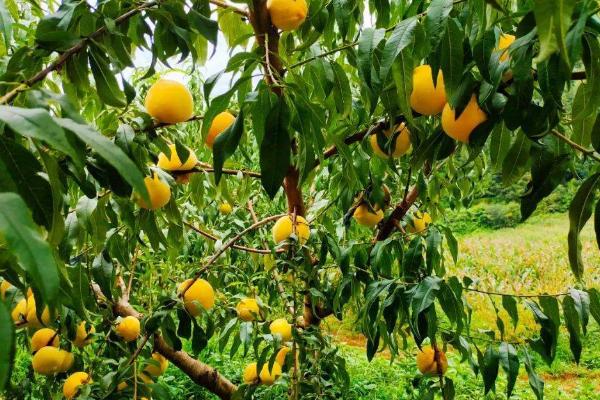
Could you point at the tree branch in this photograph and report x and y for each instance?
(587, 152)
(227, 6)
(82, 44)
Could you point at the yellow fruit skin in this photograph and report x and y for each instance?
(47, 360)
(426, 361)
(129, 328)
(169, 102)
(19, 313)
(221, 122)
(72, 383)
(82, 336)
(225, 208)
(282, 327)
(200, 295)
(250, 374)
(460, 129)
(4, 286)
(287, 15)
(44, 337)
(247, 309)
(157, 370)
(365, 217)
(32, 319)
(503, 43)
(269, 377)
(402, 142)
(159, 192)
(67, 361)
(281, 355)
(420, 222)
(283, 229)
(425, 98)
(174, 162)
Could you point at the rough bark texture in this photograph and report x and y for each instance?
(202, 374)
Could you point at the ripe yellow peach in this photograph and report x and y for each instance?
(419, 223)
(19, 313)
(426, 98)
(173, 163)
(287, 15)
(82, 336)
(4, 286)
(159, 366)
(461, 128)
(169, 102)
(364, 216)
(44, 337)
(48, 360)
(402, 144)
(281, 355)
(247, 309)
(427, 364)
(200, 295)
(250, 374)
(268, 377)
(128, 328)
(503, 43)
(32, 318)
(219, 124)
(283, 229)
(73, 382)
(159, 192)
(283, 328)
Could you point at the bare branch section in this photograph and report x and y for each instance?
(228, 6)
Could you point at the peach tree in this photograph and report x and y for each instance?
(142, 219)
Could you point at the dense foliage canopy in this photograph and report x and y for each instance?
(141, 218)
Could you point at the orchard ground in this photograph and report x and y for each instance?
(529, 258)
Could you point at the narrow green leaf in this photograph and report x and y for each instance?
(341, 90)
(535, 382)
(580, 211)
(6, 28)
(367, 43)
(594, 304)
(226, 143)
(510, 305)
(275, 149)
(451, 61)
(552, 18)
(437, 14)
(573, 326)
(515, 162)
(106, 83)
(489, 368)
(400, 38)
(110, 152)
(7, 345)
(509, 361)
(24, 242)
(402, 74)
(581, 301)
(36, 123)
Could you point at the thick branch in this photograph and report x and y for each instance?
(58, 63)
(202, 374)
(397, 214)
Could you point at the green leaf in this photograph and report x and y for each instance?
(106, 83)
(424, 294)
(36, 123)
(435, 20)
(583, 124)
(510, 305)
(547, 172)
(341, 90)
(549, 320)
(402, 74)
(20, 173)
(515, 162)
(552, 18)
(452, 244)
(489, 368)
(594, 304)
(7, 345)
(580, 211)
(573, 326)
(103, 273)
(109, 152)
(510, 364)
(24, 242)
(581, 300)
(226, 143)
(275, 149)
(451, 60)
(400, 38)
(535, 382)
(6, 28)
(367, 43)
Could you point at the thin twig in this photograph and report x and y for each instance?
(587, 152)
(229, 6)
(233, 246)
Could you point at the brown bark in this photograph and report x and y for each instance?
(202, 374)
